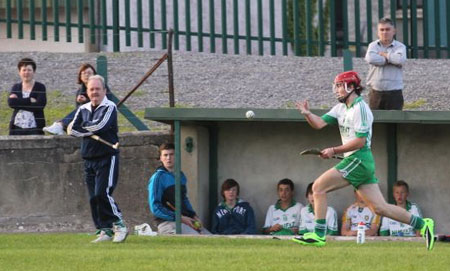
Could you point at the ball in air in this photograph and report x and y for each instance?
(250, 114)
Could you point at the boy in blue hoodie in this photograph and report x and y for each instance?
(161, 197)
(233, 215)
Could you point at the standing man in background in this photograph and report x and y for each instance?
(386, 58)
(101, 162)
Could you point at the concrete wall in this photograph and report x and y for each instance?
(423, 152)
(43, 187)
(258, 155)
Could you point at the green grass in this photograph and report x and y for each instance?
(5, 113)
(58, 106)
(415, 104)
(75, 252)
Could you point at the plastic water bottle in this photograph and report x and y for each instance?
(361, 234)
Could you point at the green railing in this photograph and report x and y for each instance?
(275, 27)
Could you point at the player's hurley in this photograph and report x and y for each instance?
(95, 137)
(99, 139)
(197, 225)
(314, 151)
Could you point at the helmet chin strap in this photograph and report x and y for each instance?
(344, 99)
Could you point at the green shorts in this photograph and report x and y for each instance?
(358, 168)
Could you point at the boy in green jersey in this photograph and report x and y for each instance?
(354, 118)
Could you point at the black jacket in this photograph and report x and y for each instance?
(39, 93)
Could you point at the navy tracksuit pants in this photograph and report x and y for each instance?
(101, 177)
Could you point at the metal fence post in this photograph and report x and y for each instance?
(102, 69)
(56, 20)
(20, 18)
(178, 177)
(116, 30)
(348, 64)
(32, 21)
(170, 70)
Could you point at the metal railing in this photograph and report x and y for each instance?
(274, 27)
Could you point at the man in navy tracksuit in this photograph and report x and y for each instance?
(101, 167)
(161, 197)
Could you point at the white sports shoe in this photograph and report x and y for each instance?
(144, 229)
(55, 129)
(120, 232)
(102, 237)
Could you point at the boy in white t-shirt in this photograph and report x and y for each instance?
(307, 216)
(394, 228)
(283, 217)
(356, 213)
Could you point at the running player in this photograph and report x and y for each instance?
(355, 119)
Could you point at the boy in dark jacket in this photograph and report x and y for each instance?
(233, 215)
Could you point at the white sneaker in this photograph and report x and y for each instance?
(144, 229)
(120, 232)
(55, 129)
(102, 237)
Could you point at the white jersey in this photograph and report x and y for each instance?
(288, 218)
(395, 228)
(307, 220)
(356, 215)
(354, 121)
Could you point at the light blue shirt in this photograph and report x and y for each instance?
(386, 74)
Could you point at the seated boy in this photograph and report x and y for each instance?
(307, 216)
(393, 227)
(283, 218)
(356, 213)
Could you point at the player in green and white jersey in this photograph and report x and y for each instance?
(307, 216)
(354, 118)
(283, 217)
(395, 228)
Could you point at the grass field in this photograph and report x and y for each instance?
(75, 252)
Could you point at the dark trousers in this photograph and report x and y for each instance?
(101, 178)
(386, 100)
(16, 130)
(68, 119)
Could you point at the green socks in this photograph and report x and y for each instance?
(416, 222)
(321, 227)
